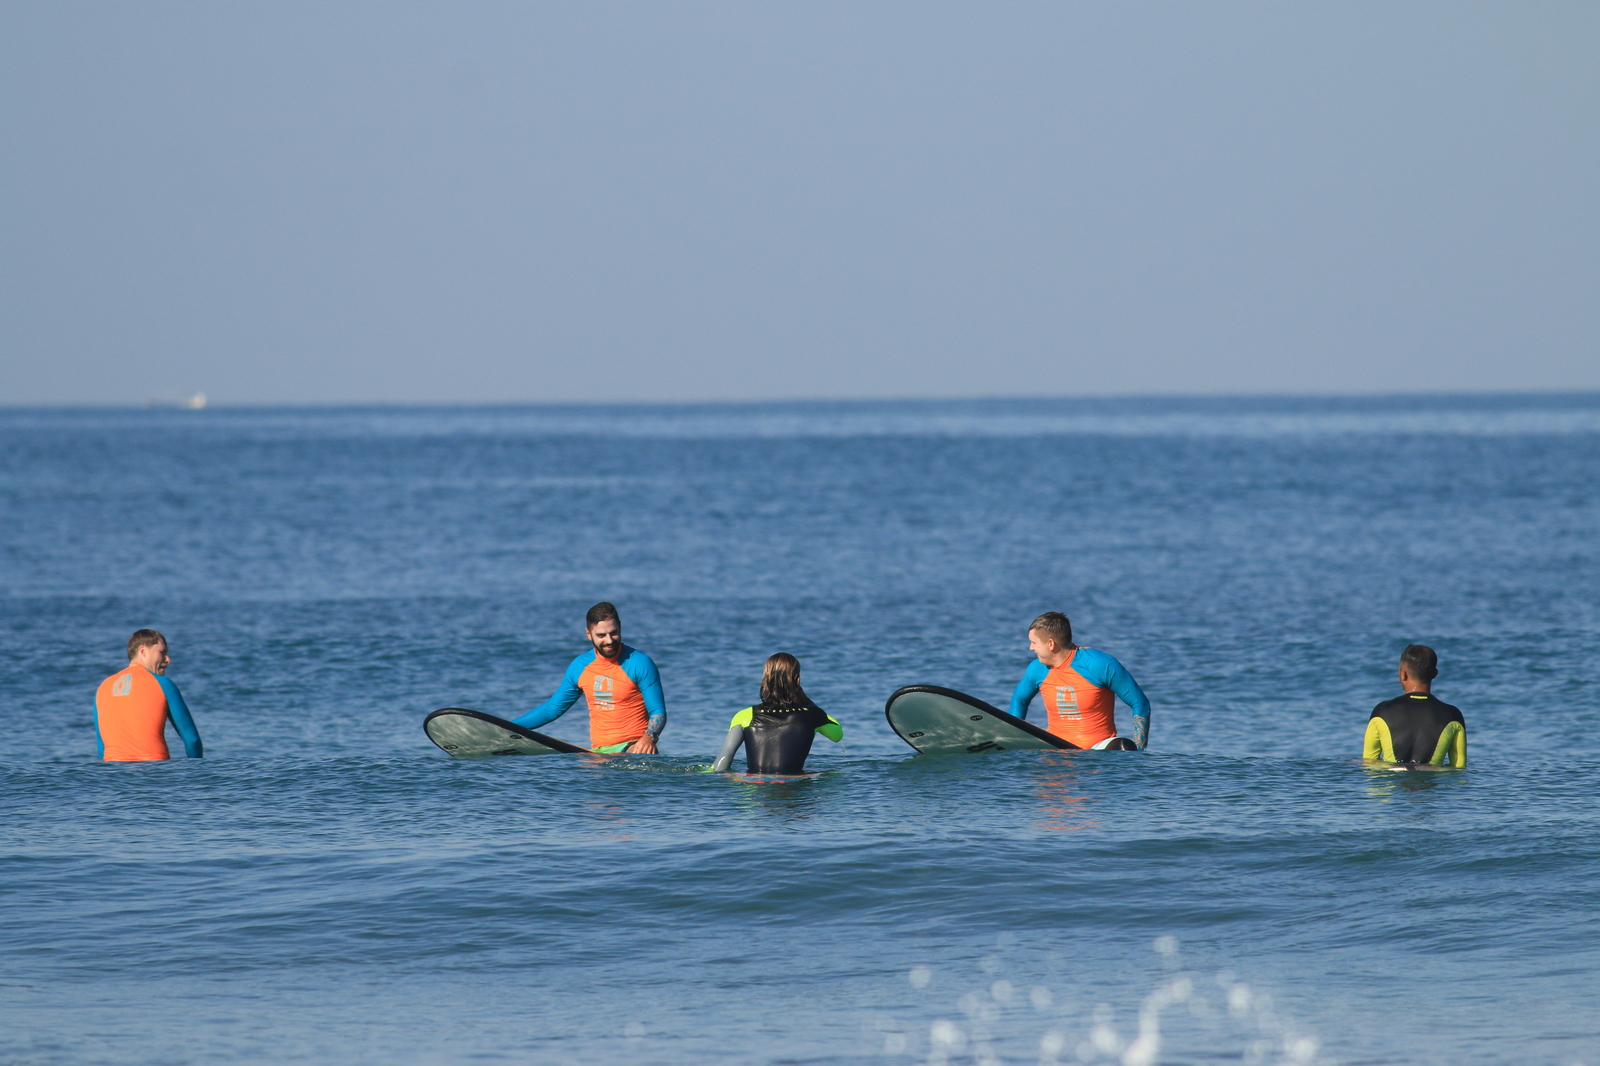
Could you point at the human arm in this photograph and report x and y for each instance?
(556, 706)
(730, 747)
(1028, 688)
(832, 729)
(182, 720)
(1452, 744)
(99, 741)
(1101, 669)
(1378, 743)
(642, 670)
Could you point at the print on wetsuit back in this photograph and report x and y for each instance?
(1084, 723)
(131, 713)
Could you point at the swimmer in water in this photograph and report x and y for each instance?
(1418, 727)
(133, 706)
(627, 711)
(777, 732)
(1078, 685)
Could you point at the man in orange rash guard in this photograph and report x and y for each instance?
(1078, 685)
(132, 706)
(626, 709)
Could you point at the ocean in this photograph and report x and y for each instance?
(326, 886)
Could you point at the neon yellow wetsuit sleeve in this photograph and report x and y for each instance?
(1452, 746)
(1379, 744)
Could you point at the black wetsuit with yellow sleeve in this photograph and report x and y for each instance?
(776, 739)
(1417, 728)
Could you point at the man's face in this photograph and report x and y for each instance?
(1042, 646)
(606, 636)
(153, 657)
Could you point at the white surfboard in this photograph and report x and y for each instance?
(942, 721)
(475, 735)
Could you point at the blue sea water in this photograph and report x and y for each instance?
(327, 887)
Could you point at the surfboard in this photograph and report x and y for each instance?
(942, 721)
(775, 779)
(475, 735)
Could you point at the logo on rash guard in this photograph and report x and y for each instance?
(123, 686)
(1066, 702)
(604, 698)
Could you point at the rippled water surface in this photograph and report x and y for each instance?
(327, 887)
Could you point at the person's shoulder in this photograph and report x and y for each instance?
(743, 718)
(1453, 711)
(633, 659)
(1036, 672)
(1397, 703)
(582, 660)
(1096, 660)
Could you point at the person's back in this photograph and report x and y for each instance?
(1417, 727)
(132, 706)
(777, 732)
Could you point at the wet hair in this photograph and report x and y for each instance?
(780, 683)
(600, 612)
(143, 638)
(1420, 662)
(1054, 625)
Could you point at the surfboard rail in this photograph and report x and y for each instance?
(974, 727)
(468, 734)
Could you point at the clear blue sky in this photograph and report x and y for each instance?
(281, 202)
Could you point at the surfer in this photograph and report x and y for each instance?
(1417, 727)
(777, 732)
(1078, 686)
(133, 705)
(626, 709)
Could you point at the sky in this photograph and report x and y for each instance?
(465, 203)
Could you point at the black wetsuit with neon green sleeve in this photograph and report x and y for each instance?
(776, 739)
(1416, 728)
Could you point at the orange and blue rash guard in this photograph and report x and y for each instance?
(624, 697)
(1078, 703)
(131, 709)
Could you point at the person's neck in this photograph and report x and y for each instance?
(1062, 655)
(1414, 688)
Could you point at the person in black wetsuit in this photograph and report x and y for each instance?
(777, 732)
(1417, 728)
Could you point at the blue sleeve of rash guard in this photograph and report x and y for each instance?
(1028, 688)
(182, 720)
(562, 701)
(1098, 668)
(642, 669)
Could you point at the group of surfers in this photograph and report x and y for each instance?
(627, 712)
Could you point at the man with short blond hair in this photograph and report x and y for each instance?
(133, 705)
(1078, 685)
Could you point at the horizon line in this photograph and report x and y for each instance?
(206, 403)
